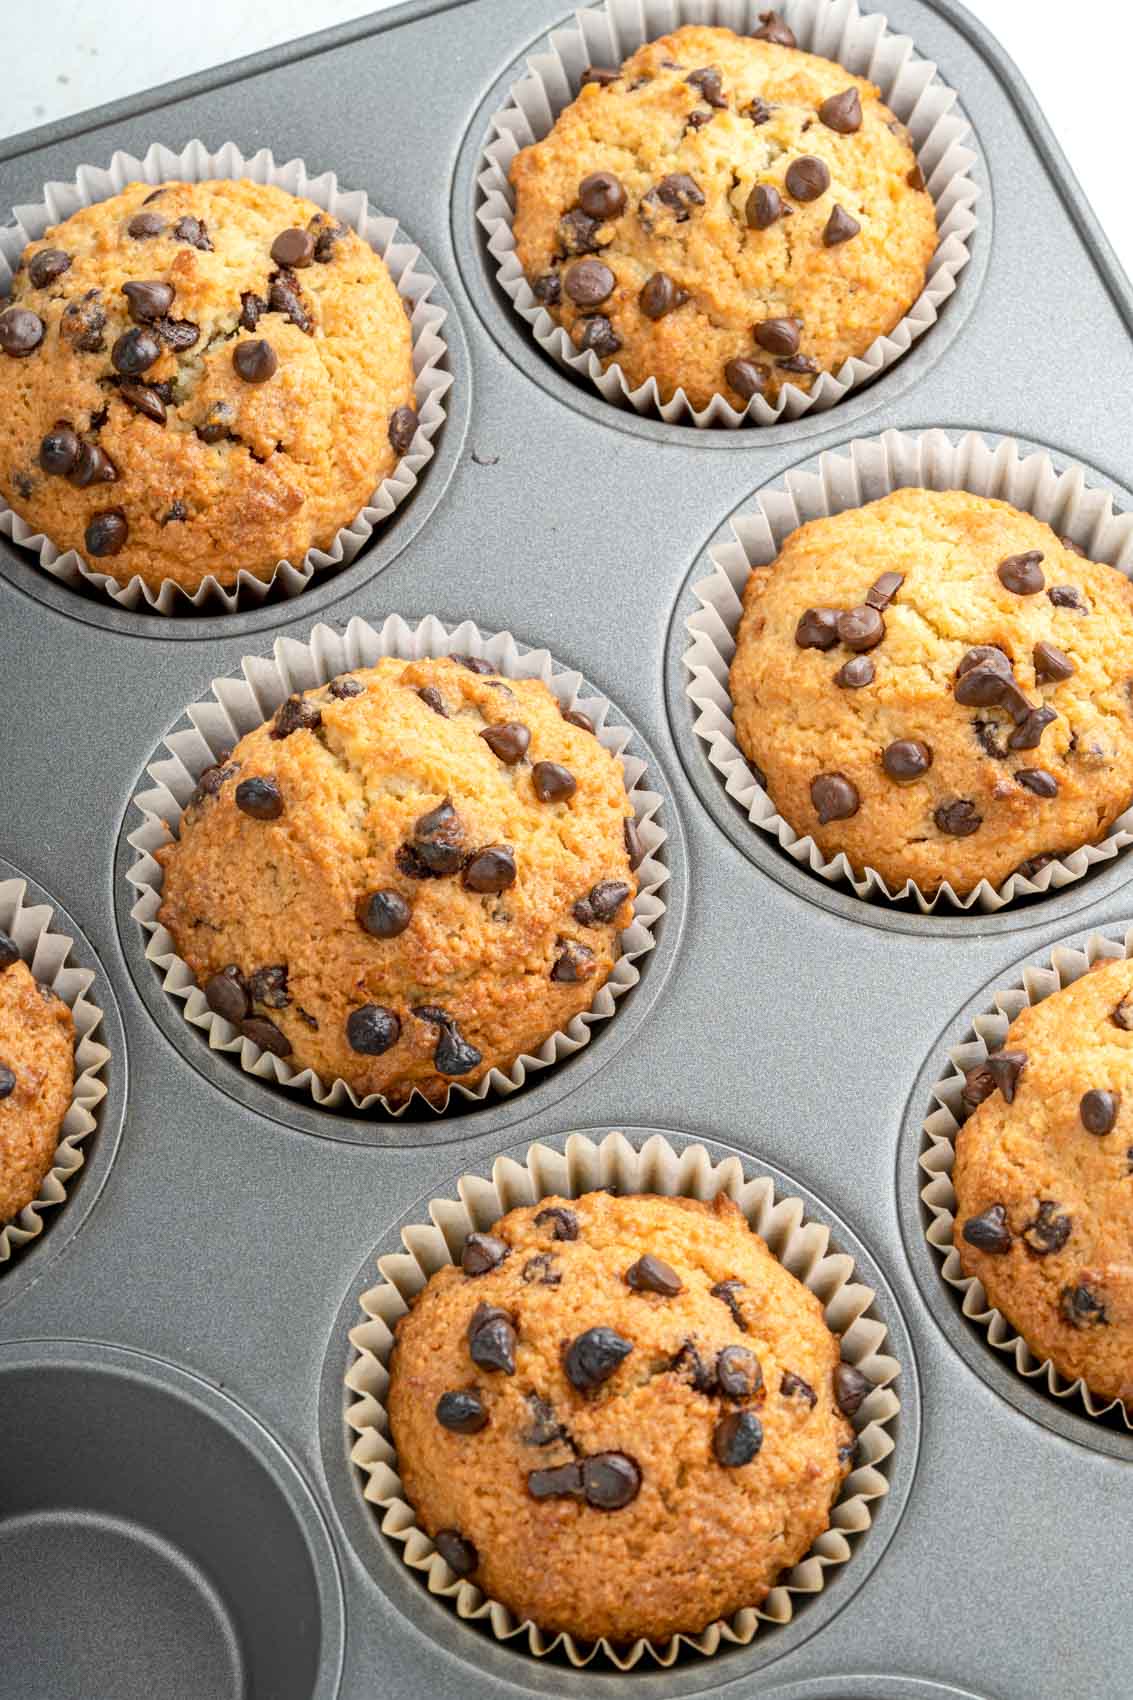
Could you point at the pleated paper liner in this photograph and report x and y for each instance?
(47, 954)
(938, 1196)
(869, 469)
(241, 703)
(585, 1166)
(413, 279)
(606, 35)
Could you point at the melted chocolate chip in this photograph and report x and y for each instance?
(737, 1438)
(660, 295)
(689, 1365)
(855, 673)
(492, 1339)
(1098, 1110)
(958, 819)
(727, 1292)
(148, 301)
(906, 759)
(589, 282)
(134, 352)
(507, 740)
(834, 797)
(145, 224)
(979, 1084)
(601, 903)
(793, 1386)
(842, 112)
(577, 233)
(227, 994)
(544, 1429)
(861, 628)
(83, 323)
(21, 332)
(610, 1480)
(1122, 1015)
(1028, 734)
(552, 783)
(574, 962)
(462, 1411)
(738, 1372)
(343, 688)
(285, 296)
(600, 75)
(259, 798)
(548, 289)
(774, 29)
(438, 842)
(491, 870)
(708, 85)
(297, 714)
(1048, 1231)
(1081, 1307)
(635, 849)
(46, 266)
(593, 1356)
(1051, 664)
(146, 399)
(817, 629)
(679, 192)
(402, 429)
(268, 986)
(562, 1482)
(575, 717)
(1037, 780)
(1068, 596)
(651, 1275)
(293, 248)
(1022, 574)
(541, 1270)
(482, 1252)
(1005, 1068)
(194, 231)
(59, 450)
(266, 1035)
(881, 593)
(778, 336)
(599, 336)
(850, 1388)
(562, 1222)
(372, 1029)
(989, 1230)
(460, 1555)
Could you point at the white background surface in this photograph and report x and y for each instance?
(67, 55)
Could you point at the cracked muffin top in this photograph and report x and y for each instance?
(725, 214)
(938, 687)
(621, 1416)
(1044, 1179)
(200, 379)
(408, 877)
(37, 1077)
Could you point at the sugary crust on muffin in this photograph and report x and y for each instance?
(735, 276)
(299, 455)
(261, 893)
(37, 1037)
(1065, 1279)
(700, 1540)
(794, 722)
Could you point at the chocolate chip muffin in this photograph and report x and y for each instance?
(1044, 1179)
(621, 1416)
(200, 380)
(37, 1077)
(938, 687)
(726, 214)
(408, 877)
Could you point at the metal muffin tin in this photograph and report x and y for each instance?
(184, 1352)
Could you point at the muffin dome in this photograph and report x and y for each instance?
(199, 380)
(937, 686)
(1044, 1198)
(726, 215)
(37, 1077)
(619, 1415)
(408, 877)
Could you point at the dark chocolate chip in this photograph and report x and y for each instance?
(214, 427)
(46, 266)
(599, 336)
(227, 994)
(507, 740)
(575, 717)
(592, 1357)
(194, 231)
(774, 29)
(552, 782)
(438, 839)
(562, 1222)
(372, 1029)
(293, 248)
(861, 628)
(601, 903)
(1098, 1110)
(855, 673)
(793, 1386)
(817, 629)
(659, 295)
(834, 797)
(1033, 865)
(906, 759)
(1037, 779)
(1022, 574)
(778, 336)
(462, 1411)
(680, 193)
(746, 377)
(268, 986)
(148, 301)
(562, 1482)
(574, 962)
(1048, 1231)
(1122, 1015)
(601, 196)
(989, 1231)
(266, 1035)
(758, 112)
(453, 1054)
(635, 849)
(482, 1252)
(839, 227)
(474, 664)
(548, 289)
(402, 429)
(707, 83)
(541, 1270)
(798, 363)
(59, 450)
(297, 714)
(255, 361)
(688, 1364)
(490, 870)
(83, 323)
(1028, 734)
(850, 1388)
(881, 593)
(7, 1082)
(211, 780)
(492, 1339)
(544, 1429)
(764, 206)
(134, 352)
(145, 224)
(589, 282)
(460, 1555)
(577, 233)
(983, 677)
(958, 819)
(145, 399)
(9, 952)
(433, 699)
(384, 914)
(1081, 1307)
(842, 112)
(979, 1084)
(1068, 596)
(651, 1275)
(252, 308)
(737, 1439)
(727, 1292)
(260, 798)
(21, 332)
(610, 1480)
(1051, 664)
(345, 687)
(600, 75)
(807, 178)
(738, 1372)
(1005, 1068)
(285, 296)
(106, 532)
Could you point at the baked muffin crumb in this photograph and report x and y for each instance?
(37, 1076)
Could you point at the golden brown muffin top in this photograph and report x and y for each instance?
(37, 1076)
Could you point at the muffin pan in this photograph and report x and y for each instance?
(228, 1244)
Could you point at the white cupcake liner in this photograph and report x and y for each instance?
(943, 1124)
(412, 278)
(871, 468)
(835, 29)
(47, 955)
(584, 1166)
(238, 705)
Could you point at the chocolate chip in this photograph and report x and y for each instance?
(145, 224)
(834, 797)
(601, 196)
(293, 248)
(599, 336)
(297, 714)
(650, 1275)
(544, 1429)
(460, 1555)
(372, 1029)
(214, 427)
(46, 266)
(1049, 1230)
(492, 1339)
(778, 336)
(764, 206)
(21, 332)
(737, 1439)
(881, 593)
(989, 1230)
(227, 994)
(268, 986)
(979, 1084)
(746, 377)
(839, 227)
(774, 29)
(562, 1482)
(659, 295)
(482, 1252)
(438, 840)
(842, 112)
(573, 963)
(915, 177)
(906, 759)
(861, 628)
(578, 234)
(807, 178)
(266, 1035)
(343, 688)
(1005, 1068)
(384, 914)
(610, 1480)
(433, 699)
(134, 352)
(106, 532)
(1122, 1015)
(1033, 865)
(1098, 1110)
(9, 952)
(793, 1386)
(7, 1082)
(1028, 734)
(285, 296)
(728, 1294)
(402, 429)
(1081, 1307)
(575, 717)
(798, 363)
(1036, 779)
(738, 1372)
(260, 798)
(601, 903)
(507, 740)
(589, 282)
(817, 629)
(145, 399)
(688, 1364)
(855, 673)
(983, 677)
(563, 1222)
(635, 849)
(211, 780)
(252, 308)
(850, 1388)
(548, 289)
(59, 450)
(758, 112)
(1051, 664)
(958, 819)
(1022, 574)
(552, 783)
(592, 1357)
(462, 1412)
(474, 664)
(255, 361)
(453, 1054)
(177, 514)
(1068, 596)
(541, 1269)
(490, 870)
(194, 231)
(600, 75)
(148, 301)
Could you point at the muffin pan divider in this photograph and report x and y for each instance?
(801, 1032)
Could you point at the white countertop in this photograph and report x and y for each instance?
(70, 54)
